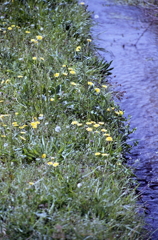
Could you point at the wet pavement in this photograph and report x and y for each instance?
(130, 39)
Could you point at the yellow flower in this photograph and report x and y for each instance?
(103, 130)
(1, 101)
(2, 81)
(82, 3)
(70, 69)
(74, 123)
(89, 129)
(23, 126)
(9, 28)
(104, 86)
(27, 31)
(23, 132)
(96, 125)
(39, 37)
(97, 90)
(89, 40)
(31, 183)
(16, 113)
(105, 154)
(42, 58)
(79, 124)
(64, 73)
(96, 131)
(56, 75)
(55, 164)
(34, 124)
(3, 136)
(13, 26)
(34, 58)
(63, 65)
(101, 123)
(43, 155)
(106, 135)
(49, 163)
(73, 83)
(90, 83)
(52, 99)
(20, 76)
(97, 154)
(78, 49)
(23, 138)
(72, 72)
(34, 41)
(15, 124)
(88, 123)
(108, 109)
(121, 113)
(109, 139)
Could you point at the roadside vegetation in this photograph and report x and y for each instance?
(63, 139)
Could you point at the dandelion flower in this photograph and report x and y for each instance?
(64, 73)
(49, 163)
(21, 127)
(52, 99)
(96, 131)
(106, 135)
(20, 76)
(1, 101)
(96, 125)
(55, 164)
(3, 136)
(109, 139)
(89, 129)
(43, 155)
(89, 40)
(104, 86)
(23, 138)
(34, 124)
(88, 123)
(73, 83)
(78, 49)
(101, 123)
(79, 124)
(103, 130)
(90, 83)
(34, 41)
(97, 153)
(97, 90)
(31, 183)
(72, 72)
(15, 124)
(70, 69)
(105, 154)
(74, 123)
(63, 65)
(9, 28)
(27, 31)
(34, 58)
(56, 75)
(39, 37)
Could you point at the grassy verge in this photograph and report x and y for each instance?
(62, 137)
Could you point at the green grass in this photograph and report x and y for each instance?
(63, 139)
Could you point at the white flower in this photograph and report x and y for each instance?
(57, 128)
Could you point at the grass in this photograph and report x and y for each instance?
(63, 139)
